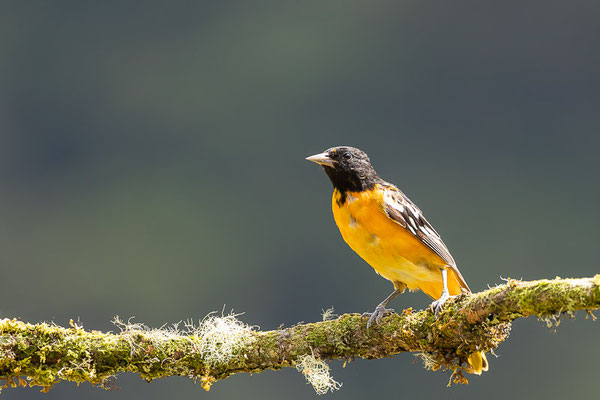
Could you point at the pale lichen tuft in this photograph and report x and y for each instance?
(221, 338)
(328, 314)
(317, 374)
(158, 337)
(429, 361)
(217, 339)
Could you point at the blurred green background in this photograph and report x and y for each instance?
(152, 165)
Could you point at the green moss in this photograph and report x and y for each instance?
(45, 354)
(316, 336)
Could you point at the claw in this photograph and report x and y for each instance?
(437, 305)
(380, 312)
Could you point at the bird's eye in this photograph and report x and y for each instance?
(347, 156)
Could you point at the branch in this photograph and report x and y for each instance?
(44, 354)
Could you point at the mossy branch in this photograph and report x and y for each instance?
(44, 354)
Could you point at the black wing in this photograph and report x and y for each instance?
(403, 211)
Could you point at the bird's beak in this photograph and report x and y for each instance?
(322, 159)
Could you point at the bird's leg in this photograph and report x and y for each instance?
(380, 310)
(437, 305)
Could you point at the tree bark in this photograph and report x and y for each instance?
(43, 354)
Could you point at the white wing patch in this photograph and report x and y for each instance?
(393, 207)
(403, 211)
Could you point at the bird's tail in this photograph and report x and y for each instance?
(478, 362)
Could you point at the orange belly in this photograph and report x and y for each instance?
(391, 250)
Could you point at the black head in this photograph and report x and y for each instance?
(349, 168)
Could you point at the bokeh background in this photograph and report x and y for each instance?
(152, 165)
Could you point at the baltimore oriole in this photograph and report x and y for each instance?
(390, 233)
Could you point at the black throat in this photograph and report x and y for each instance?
(346, 182)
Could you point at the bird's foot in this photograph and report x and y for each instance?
(437, 305)
(380, 311)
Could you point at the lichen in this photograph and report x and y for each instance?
(328, 314)
(219, 346)
(221, 338)
(317, 374)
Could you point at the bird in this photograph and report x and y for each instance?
(386, 229)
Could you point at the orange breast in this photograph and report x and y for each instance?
(391, 250)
